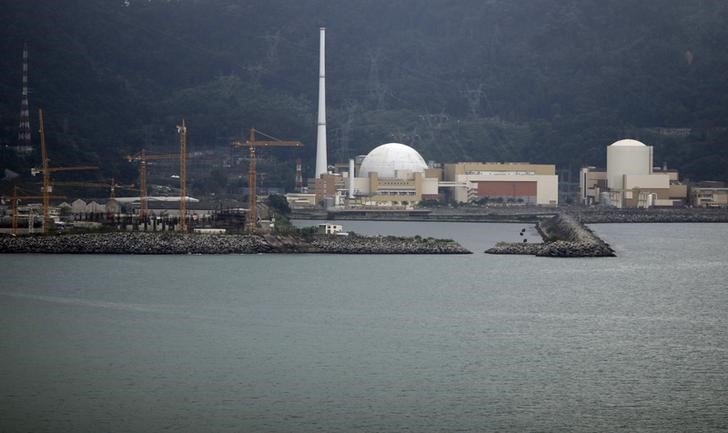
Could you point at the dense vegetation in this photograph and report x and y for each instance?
(539, 80)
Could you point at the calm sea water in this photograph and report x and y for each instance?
(307, 343)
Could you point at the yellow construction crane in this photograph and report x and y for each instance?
(143, 157)
(251, 218)
(46, 171)
(16, 198)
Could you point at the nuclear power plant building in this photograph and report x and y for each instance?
(393, 172)
(631, 180)
(396, 174)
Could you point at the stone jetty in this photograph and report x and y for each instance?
(355, 244)
(175, 243)
(563, 236)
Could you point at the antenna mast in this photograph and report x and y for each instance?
(182, 131)
(299, 176)
(24, 143)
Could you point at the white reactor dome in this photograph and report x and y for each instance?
(627, 142)
(391, 157)
(627, 157)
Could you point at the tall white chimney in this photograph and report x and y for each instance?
(321, 159)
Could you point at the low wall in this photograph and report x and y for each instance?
(653, 215)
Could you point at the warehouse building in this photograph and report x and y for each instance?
(709, 194)
(518, 182)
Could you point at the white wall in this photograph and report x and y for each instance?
(429, 185)
(623, 160)
(361, 185)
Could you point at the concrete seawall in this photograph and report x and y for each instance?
(527, 214)
(671, 215)
(174, 243)
(563, 237)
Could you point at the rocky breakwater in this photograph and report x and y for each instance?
(175, 243)
(563, 237)
(355, 244)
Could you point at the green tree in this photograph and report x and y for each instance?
(279, 203)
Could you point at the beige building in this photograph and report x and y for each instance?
(405, 189)
(328, 188)
(630, 180)
(504, 181)
(392, 174)
(301, 200)
(592, 183)
(709, 194)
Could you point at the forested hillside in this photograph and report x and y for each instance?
(538, 80)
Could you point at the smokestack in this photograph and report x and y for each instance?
(321, 159)
(351, 178)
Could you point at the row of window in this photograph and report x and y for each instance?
(396, 193)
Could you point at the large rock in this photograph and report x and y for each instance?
(563, 237)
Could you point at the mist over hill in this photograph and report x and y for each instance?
(539, 80)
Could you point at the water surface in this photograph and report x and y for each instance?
(282, 343)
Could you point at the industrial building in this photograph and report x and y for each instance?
(519, 182)
(709, 194)
(630, 179)
(393, 174)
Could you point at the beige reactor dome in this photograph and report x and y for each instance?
(627, 157)
(391, 157)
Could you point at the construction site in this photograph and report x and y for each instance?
(175, 189)
(158, 205)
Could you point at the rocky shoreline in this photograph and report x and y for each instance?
(175, 243)
(563, 236)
